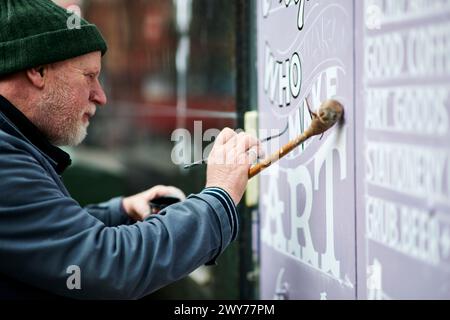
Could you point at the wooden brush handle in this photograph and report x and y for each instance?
(284, 150)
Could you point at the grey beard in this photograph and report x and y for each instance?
(71, 139)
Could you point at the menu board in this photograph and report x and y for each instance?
(403, 148)
(307, 199)
(362, 212)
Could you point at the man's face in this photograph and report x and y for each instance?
(69, 99)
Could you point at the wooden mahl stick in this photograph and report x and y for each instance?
(329, 113)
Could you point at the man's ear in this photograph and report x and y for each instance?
(37, 76)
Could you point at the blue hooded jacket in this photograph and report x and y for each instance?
(44, 232)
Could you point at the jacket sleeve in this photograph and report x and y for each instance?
(43, 233)
(111, 212)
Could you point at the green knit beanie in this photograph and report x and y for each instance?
(36, 32)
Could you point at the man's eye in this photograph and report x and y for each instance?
(91, 76)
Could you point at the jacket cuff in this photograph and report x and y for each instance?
(118, 214)
(227, 214)
(229, 206)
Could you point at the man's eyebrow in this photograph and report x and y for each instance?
(87, 69)
(92, 71)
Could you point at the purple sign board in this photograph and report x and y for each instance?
(403, 149)
(307, 199)
(363, 211)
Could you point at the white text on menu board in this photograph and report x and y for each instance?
(285, 75)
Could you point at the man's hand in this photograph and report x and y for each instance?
(229, 162)
(137, 207)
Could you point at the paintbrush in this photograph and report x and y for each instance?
(329, 113)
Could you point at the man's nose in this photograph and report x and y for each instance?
(98, 95)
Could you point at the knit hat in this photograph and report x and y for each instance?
(37, 32)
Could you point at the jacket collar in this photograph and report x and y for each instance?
(28, 130)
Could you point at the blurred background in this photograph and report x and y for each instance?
(169, 64)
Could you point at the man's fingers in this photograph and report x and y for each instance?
(254, 153)
(246, 141)
(164, 191)
(143, 209)
(175, 192)
(225, 135)
(242, 141)
(235, 150)
(153, 192)
(233, 141)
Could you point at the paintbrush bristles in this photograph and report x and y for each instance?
(329, 113)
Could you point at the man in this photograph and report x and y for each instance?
(49, 90)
